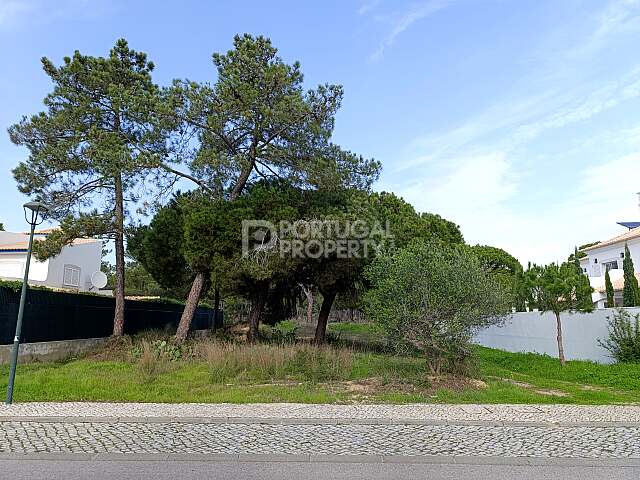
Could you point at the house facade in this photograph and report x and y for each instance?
(70, 270)
(608, 256)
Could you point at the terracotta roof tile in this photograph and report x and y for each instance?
(618, 284)
(626, 236)
(19, 246)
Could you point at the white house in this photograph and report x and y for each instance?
(608, 256)
(71, 269)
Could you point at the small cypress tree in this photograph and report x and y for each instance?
(630, 291)
(609, 287)
(583, 290)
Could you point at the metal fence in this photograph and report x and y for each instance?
(67, 316)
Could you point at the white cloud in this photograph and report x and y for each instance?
(406, 19)
(11, 10)
(474, 184)
(520, 121)
(480, 192)
(617, 17)
(484, 173)
(368, 6)
(16, 13)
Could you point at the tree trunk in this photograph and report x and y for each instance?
(192, 303)
(308, 292)
(323, 317)
(118, 319)
(190, 307)
(242, 181)
(559, 338)
(255, 313)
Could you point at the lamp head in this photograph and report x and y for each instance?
(38, 209)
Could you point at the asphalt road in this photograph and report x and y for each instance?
(191, 470)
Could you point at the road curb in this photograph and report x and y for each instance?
(283, 458)
(313, 421)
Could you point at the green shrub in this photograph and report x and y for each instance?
(432, 298)
(285, 331)
(265, 332)
(624, 337)
(162, 349)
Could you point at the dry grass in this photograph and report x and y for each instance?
(149, 365)
(266, 362)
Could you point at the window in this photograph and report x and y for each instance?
(71, 276)
(612, 265)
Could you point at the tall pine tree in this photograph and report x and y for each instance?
(258, 122)
(98, 145)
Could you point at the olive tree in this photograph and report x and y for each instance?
(433, 297)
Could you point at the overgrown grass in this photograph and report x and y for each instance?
(216, 371)
(261, 363)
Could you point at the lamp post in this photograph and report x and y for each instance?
(33, 214)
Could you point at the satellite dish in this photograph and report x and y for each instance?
(98, 280)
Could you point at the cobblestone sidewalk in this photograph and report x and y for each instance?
(295, 429)
(321, 439)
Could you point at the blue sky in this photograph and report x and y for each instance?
(519, 120)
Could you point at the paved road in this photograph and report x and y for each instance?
(186, 470)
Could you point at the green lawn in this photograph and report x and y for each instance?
(352, 377)
(355, 328)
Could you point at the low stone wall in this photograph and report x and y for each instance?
(49, 351)
(535, 332)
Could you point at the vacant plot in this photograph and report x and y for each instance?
(152, 369)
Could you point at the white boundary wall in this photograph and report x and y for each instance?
(535, 332)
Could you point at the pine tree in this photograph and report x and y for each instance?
(630, 291)
(609, 287)
(258, 122)
(520, 291)
(557, 289)
(99, 144)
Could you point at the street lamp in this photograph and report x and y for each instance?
(34, 215)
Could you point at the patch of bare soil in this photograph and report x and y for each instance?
(552, 393)
(541, 391)
(591, 388)
(114, 349)
(516, 383)
(368, 387)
